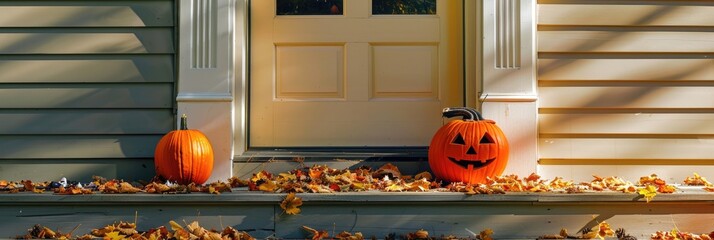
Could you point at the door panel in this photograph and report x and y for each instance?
(354, 79)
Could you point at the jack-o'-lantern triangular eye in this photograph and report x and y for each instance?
(459, 140)
(486, 139)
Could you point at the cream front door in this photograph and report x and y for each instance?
(352, 80)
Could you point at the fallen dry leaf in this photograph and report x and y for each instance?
(268, 186)
(423, 175)
(387, 170)
(315, 234)
(419, 234)
(218, 187)
(125, 187)
(291, 204)
(486, 234)
(603, 230)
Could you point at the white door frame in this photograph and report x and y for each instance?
(212, 77)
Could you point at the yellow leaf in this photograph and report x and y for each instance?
(674, 233)
(291, 204)
(268, 186)
(114, 236)
(394, 188)
(287, 177)
(175, 226)
(648, 192)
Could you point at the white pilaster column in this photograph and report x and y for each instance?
(206, 75)
(509, 78)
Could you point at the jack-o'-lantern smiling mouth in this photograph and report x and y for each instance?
(476, 164)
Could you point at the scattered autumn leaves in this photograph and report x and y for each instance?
(421, 234)
(322, 179)
(125, 230)
(115, 186)
(388, 178)
(600, 231)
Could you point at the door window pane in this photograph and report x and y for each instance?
(403, 7)
(308, 7)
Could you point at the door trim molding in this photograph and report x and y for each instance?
(204, 97)
(206, 74)
(509, 93)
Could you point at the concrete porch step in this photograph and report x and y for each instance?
(375, 214)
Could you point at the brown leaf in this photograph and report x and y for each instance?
(419, 234)
(387, 169)
(348, 236)
(315, 234)
(30, 187)
(236, 182)
(72, 190)
(155, 187)
(218, 187)
(423, 175)
(291, 204)
(486, 234)
(126, 187)
(233, 234)
(109, 187)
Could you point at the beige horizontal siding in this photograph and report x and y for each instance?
(625, 87)
(625, 41)
(633, 123)
(645, 13)
(673, 174)
(86, 13)
(627, 97)
(86, 69)
(145, 40)
(636, 68)
(577, 149)
(85, 121)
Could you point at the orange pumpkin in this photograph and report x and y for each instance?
(184, 156)
(468, 150)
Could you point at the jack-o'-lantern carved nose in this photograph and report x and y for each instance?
(471, 150)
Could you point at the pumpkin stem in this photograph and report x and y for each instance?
(465, 112)
(183, 122)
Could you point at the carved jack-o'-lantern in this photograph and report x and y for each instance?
(468, 150)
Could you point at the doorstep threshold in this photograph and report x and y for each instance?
(328, 153)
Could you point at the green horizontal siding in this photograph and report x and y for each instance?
(86, 13)
(86, 68)
(86, 41)
(78, 146)
(86, 95)
(40, 170)
(85, 121)
(87, 87)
